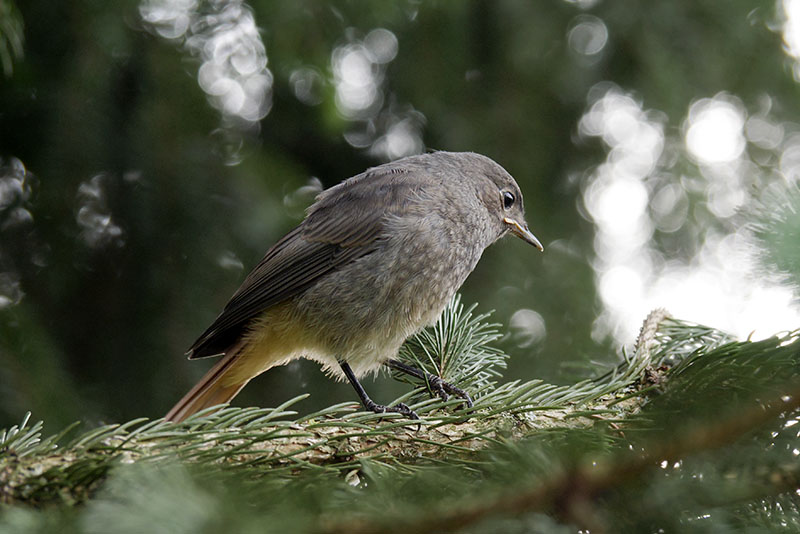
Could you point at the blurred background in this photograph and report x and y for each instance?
(151, 152)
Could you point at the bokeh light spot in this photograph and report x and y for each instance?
(224, 35)
(98, 228)
(588, 35)
(307, 85)
(715, 130)
(359, 72)
(527, 327)
(382, 44)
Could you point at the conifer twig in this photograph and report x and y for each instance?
(332, 440)
(568, 494)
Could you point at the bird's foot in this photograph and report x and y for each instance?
(445, 389)
(435, 384)
(397, 408)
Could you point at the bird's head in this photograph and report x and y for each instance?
(502, 197)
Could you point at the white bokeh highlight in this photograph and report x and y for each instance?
(716, 130)
(791, 32)
(385, 129)
(233, 70)
(587, 35)
(629, 197)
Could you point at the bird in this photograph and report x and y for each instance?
(375, 260)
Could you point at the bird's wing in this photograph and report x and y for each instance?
(344, 224)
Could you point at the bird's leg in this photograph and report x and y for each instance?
(436, 384)
(368, 403)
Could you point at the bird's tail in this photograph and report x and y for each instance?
(211, 390)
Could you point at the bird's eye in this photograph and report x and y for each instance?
(508, 200)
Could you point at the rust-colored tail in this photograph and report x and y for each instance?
(211, 389)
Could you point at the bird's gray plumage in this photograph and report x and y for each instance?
(376, 259)
(383, 251)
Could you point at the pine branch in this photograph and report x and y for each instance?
(704, 421)
(568, 494)
(336, 439)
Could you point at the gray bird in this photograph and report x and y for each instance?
(376, 259)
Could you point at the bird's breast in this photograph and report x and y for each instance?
(375, 302)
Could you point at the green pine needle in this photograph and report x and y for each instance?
(458, 349)
(776, 230)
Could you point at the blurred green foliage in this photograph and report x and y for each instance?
(103, 113)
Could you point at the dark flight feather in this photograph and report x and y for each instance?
(342, 226)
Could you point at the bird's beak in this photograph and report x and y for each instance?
(521, 231)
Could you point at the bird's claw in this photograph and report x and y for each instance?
(445, 389)
(400, 408)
